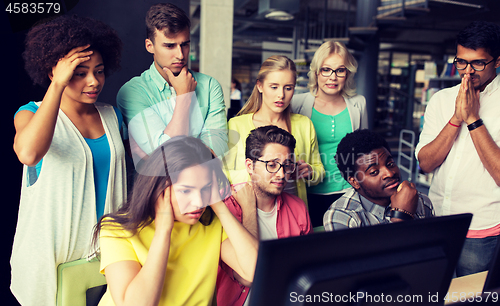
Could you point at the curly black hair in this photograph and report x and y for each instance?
(50, 41)
(355, 145)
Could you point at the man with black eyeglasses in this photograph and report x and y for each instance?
(261, 204)
(460, 144)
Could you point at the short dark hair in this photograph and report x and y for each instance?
(353, 146)
(165, 17)
(49, 41)
(481, 34)
(261, 136)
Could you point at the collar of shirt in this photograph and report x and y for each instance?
(379, 211)
(157, 78)
(279, 202)
(492, 86)
(160, 82)
(275, 209)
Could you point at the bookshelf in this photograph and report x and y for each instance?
(433, 83)
(302, 66)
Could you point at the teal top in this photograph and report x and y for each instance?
(330, 130)
(147, 103)
(101, 157)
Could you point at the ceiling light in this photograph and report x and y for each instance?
(279, 15)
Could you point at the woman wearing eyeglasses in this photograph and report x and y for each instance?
(335, 110)
(269, 104)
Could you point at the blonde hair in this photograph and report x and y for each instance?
(324, 51)
(272, 64)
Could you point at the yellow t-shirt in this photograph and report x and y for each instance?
(192, 263)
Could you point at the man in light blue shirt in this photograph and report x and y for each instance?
(168, 99)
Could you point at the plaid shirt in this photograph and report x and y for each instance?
(354, 210)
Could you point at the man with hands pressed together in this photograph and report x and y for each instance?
(460, 142)
(261, 205)
(168, 99)
(377, 195)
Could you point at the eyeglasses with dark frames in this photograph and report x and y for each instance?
(273, 166)
(339, 72)
(477, 65)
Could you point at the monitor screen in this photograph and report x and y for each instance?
(405, 262)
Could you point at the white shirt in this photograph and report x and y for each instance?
(236, 94)
(57, 214)
(462, 184)
(267, 223)
(267, 230)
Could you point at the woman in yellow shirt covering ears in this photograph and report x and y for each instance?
(163, 247)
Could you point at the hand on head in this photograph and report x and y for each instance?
(215, 197)
(164, 213)
(183, 83)
(63, 71)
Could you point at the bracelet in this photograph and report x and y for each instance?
(400, 215)
(474, 125)
(449, 121)
(402, 210)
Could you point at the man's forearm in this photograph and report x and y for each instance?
(249, 221)
(179, 125)
(488, 151)
(434, 153)
(241, 280)
(240, 250)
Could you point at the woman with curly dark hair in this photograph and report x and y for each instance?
(72, 151)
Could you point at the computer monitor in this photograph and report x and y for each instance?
(493, 277)
(406, 262)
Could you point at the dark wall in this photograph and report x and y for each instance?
(127, 17)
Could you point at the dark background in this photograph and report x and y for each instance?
(127, 17)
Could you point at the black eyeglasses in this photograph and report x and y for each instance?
(477, 65)
(339, 72)
(273, 166)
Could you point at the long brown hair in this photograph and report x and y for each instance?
(272, 64)
(154, 174)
